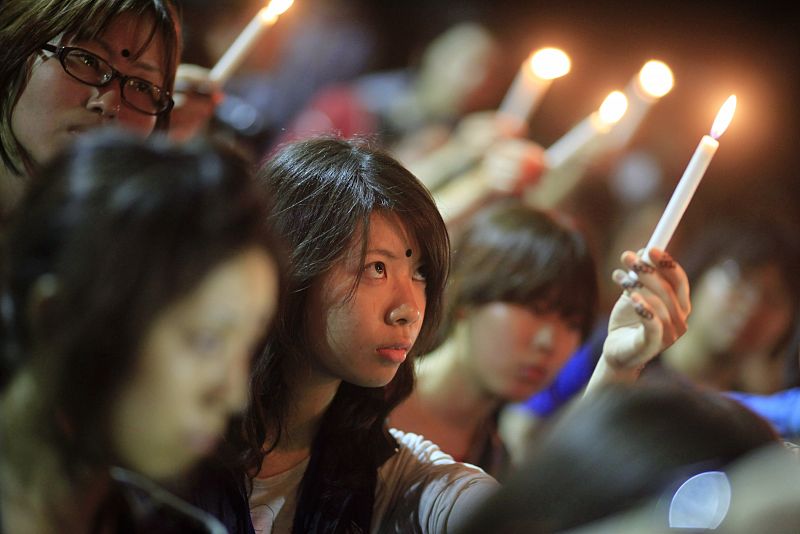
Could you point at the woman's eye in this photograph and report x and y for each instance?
(90, 61)
(375, 269)
(140, 86)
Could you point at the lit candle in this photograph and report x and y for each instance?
(690, 180)
(589, 129)
(653, 81)
(532, 81)
(236, 53)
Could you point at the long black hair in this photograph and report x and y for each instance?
(325, 190)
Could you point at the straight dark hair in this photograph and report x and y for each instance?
(121, 228)
(325, 191)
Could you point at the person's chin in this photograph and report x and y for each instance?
(375, 380)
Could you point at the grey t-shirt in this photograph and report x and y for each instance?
(420, 490)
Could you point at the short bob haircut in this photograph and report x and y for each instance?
(520, 255)
(324, 191)
(120, 228)
(25, 25)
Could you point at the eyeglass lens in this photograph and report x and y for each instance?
(93, 70)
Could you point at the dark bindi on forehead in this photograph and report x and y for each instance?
(126, 52)
(408, 253)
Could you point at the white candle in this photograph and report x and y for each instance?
(589, 129)
(651, 83)
(532, 82)
(236, 53)
(690, 180)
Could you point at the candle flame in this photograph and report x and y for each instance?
(275, 9)
(724, 117)
(549, 63)
(656, 78)
(613, 107)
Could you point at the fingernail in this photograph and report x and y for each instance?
(642, 312)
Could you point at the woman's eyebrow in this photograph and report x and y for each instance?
(383, 252)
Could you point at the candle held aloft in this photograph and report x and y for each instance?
(589, 129)
(691, 179)
(236, 53)
(532, 82)
(653, 81)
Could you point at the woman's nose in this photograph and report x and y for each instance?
(106, 102)
(406, 313)
(544, 339)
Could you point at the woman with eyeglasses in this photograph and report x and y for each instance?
(68, 66)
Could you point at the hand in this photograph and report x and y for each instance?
(511, 165)
(196, 97)
(652, 312)
(477, 131)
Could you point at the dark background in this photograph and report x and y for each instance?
(714, 47)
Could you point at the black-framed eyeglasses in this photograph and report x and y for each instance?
(90, 69)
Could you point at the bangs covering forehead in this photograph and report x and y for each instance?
(99, 15)
(513, 254)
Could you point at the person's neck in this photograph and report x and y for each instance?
(311, 394)
(36, 494)
(11, 187)
(447, 385)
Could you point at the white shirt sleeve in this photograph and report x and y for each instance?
(423, 490)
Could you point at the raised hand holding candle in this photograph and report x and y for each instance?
(597, 124)
(690, 180)
(236, 53)
(532, 81)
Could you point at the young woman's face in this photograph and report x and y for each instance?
(741, 313)
(364, 339)
(193, 369)
(513, 352)
(54, 107)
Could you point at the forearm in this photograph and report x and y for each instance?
(605, 373)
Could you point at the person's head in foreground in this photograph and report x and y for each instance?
(618, 447)
(138, 280)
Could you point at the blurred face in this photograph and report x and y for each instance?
(54, 107)
(741, 312)
(514, 352)
(193, 370)
(364, 339)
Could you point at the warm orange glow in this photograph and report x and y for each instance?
(724, 117)
(613, 107)
(549, 63)
(656, 78)
(274, 9)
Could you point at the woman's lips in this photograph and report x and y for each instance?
(532, 373)
(393, 354)
(203, 443)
